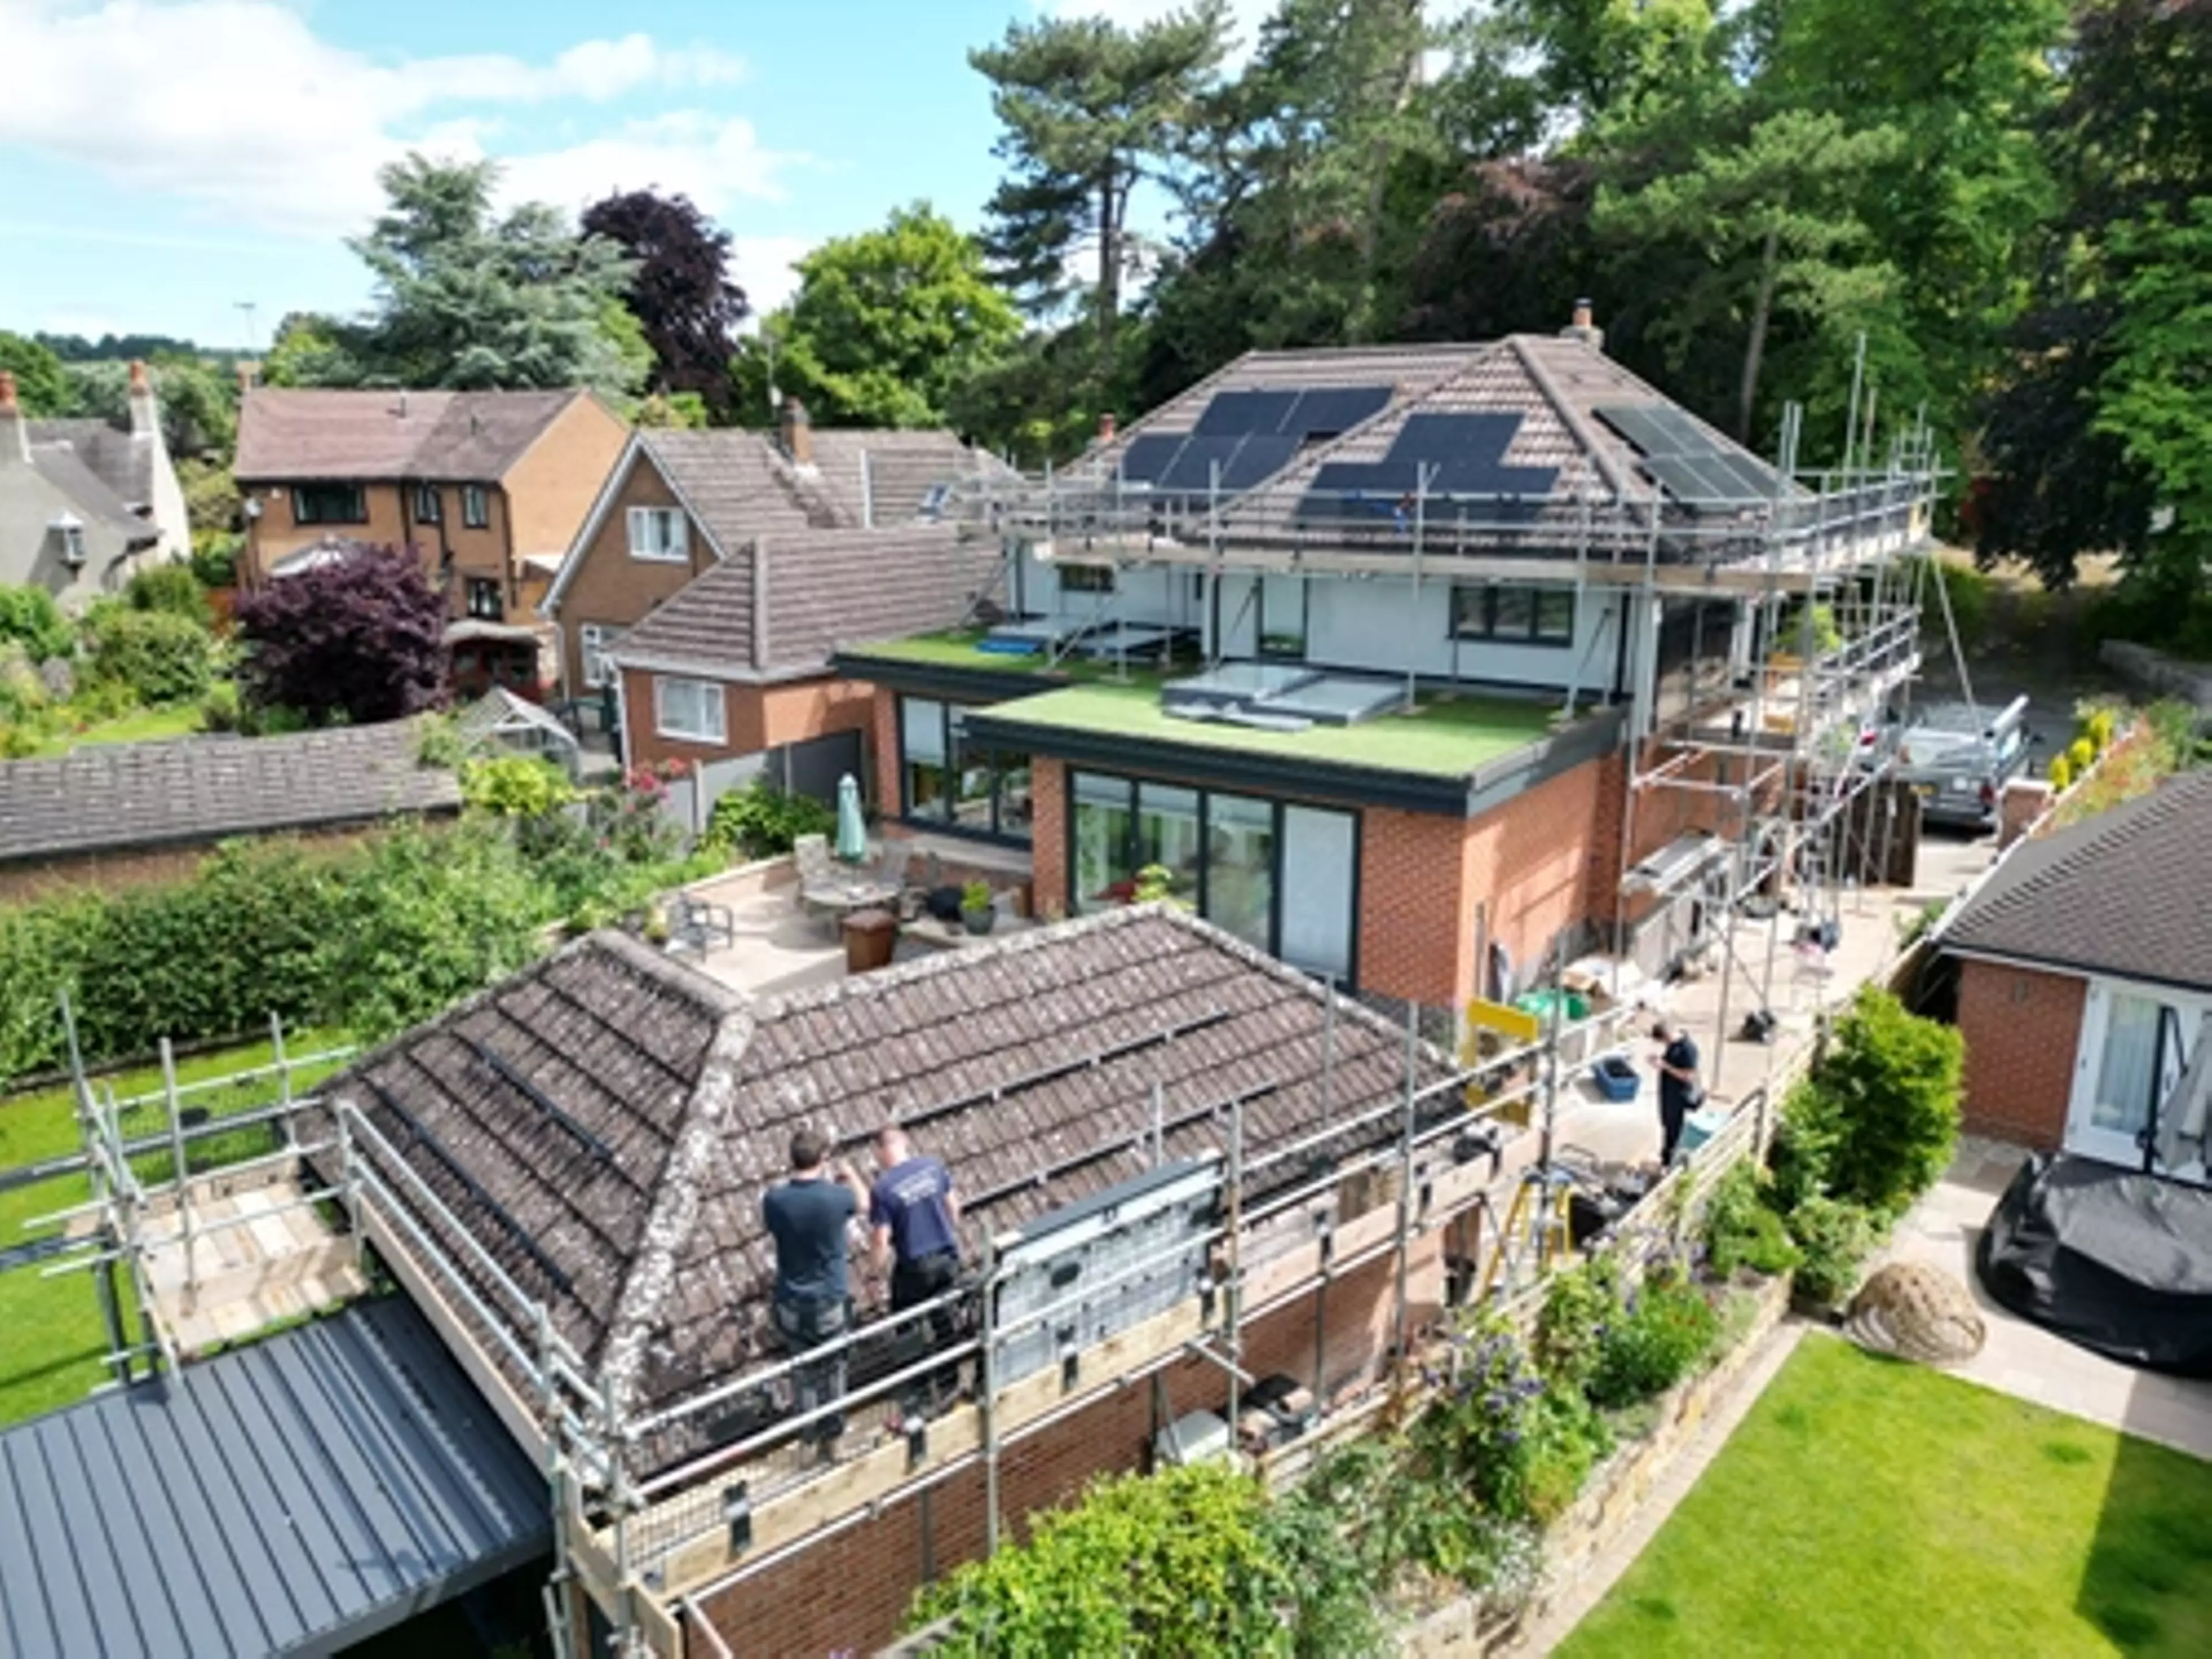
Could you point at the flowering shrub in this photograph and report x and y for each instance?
(1666, 1327)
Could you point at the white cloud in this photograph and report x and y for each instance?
(237, 105)
(763, 266)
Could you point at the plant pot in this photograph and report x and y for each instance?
(979, 922)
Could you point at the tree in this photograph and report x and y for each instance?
(1089, 110)
(680, 293)
(1770, 220)
(359, 640)
(469, 301)
(885, 325)
(2129, 142)
(311, 350)
(198, 405)
(41, 386)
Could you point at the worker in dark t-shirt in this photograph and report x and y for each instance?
(1680, 1092)
(807, 1216)
(916, 1222)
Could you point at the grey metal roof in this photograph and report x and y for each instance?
(293, 1497)
(108, 797)
(2127, 892)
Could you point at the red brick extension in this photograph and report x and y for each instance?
(2023, 1028)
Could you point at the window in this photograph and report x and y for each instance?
(1521, 616)
(657, 533)
(946, 780)
(329, 504)
(593, 642)
(1280, 877)
(484, 598)
(1282, 629)
(428, 507)
(475, 507)
(689, 709)
(1086, 579)
(2127, 1071)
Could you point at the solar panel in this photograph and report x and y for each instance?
(1257, 459)
(1193, 464)
(1635, 423)
(1687, 479)
(1442, 440)
(1148, 455)
(1759, 481)
(1325, 412)
(1238, 414)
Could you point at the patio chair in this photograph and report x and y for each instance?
(699, 924)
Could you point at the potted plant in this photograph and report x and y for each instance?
(657, 929)
(977, 913)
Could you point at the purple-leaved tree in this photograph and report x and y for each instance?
(358, 638)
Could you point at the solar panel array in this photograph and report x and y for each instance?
(1457, 461)
(1689, 463)
(1244, 438)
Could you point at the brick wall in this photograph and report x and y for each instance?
(754, 717)
(1544, 860)
(2023, 1031)
(610, 588)
(851, 1593)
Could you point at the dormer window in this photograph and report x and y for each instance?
(69, 529)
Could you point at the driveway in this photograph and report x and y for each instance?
(2026, 1361)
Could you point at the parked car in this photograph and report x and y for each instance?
(1959, 757)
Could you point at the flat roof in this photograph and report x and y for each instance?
(1445, 734)
(962, 648)
(295, 1495)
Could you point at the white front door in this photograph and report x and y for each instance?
(2134, 1045)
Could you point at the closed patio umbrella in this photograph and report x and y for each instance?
(852, 827)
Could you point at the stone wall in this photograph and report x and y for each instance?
(1616, 1491)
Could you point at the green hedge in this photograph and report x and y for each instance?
(374, 939)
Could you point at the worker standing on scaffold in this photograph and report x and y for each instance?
(807, 1216)
(916, 1219)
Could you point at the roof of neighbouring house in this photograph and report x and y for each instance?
(89, 495)
(116, 797)
(606, 1123)
(119, 459)
(287, 433)
(2126, 892)
(824, 589)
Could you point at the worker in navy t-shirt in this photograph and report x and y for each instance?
(916, 1223)
(806, 1216)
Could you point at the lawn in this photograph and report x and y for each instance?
(139, 726)
(51, 1338)
(1870, 1507)
(1444, 735)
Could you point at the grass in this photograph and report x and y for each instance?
(1444, 735)
(50, 1354)
(1866, 1506)
(139, 726)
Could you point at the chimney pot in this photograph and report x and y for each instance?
(8, 405)
(16, 444)
(142, 401)
(1106, 428)
(1584, 327)
(797, 434)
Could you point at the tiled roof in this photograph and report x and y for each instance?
(285, 433)
(2128, 892)
(738, 484)
(891, 484)
(63, 467)
(122, 462)
(824, 588)
(1029, 1064)
(114, 797)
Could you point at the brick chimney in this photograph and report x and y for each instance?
(1584, 327)
(796, 436)
(145, 420)
(14, 431)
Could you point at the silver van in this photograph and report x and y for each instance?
(1959, 757)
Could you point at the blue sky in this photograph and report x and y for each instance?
(163, 160)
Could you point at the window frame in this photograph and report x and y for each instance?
(475, 507)
(1131, 784)
(951, 742)
(1302, 636)
(1484, 628)
(596, 640)
(430, 504)
(719, 702)
(677, 549)
(1091, 579)
(356, 500)
(474, 587)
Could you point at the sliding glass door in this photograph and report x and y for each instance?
(1281, 877)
